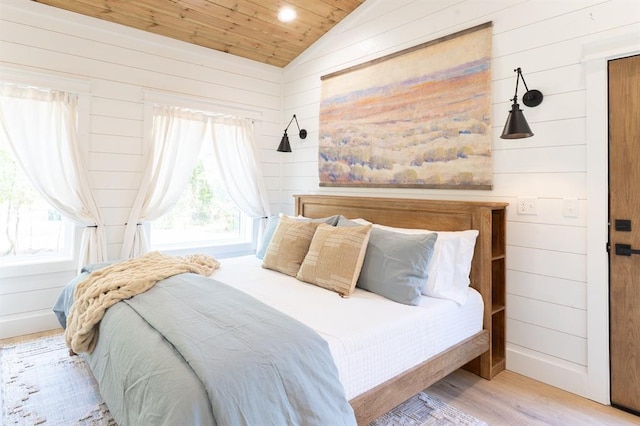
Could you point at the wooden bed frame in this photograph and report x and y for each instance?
(482, 353)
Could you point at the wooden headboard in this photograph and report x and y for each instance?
(482, 354)
(420, 214)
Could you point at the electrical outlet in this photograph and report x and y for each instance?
(528, 206)
(570, 207)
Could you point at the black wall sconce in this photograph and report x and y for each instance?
(284, 142)
(516, 126)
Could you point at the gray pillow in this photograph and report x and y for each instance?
(272, 225)
(395, 265)
(330, 220)
(343, 221)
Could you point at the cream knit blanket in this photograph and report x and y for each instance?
(123, 280)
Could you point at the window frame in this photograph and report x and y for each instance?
(239, 247)
(42, 264)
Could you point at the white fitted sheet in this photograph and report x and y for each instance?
(370, 337)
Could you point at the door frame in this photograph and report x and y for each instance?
(595, 67)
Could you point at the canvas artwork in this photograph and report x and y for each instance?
(419, 118)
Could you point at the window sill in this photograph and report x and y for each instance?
(219, 251)
(37, 266)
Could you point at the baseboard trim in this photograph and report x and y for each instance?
(27, 324)
(559, 373)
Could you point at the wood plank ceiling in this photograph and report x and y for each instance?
(246, 28)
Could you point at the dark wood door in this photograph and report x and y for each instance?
(624, 256)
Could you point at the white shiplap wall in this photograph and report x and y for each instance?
(547, 304)
(121, 66)
(550, 326)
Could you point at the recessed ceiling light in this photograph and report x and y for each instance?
(287, 14)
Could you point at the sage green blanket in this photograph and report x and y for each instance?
(192, 350)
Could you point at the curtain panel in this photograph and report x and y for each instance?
(41, 127)
(177, 137)
(235, 154)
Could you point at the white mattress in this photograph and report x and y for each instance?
(370, 337)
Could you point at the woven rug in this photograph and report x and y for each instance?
(42, 385)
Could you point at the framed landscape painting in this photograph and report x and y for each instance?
(419, 118)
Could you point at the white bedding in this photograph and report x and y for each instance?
(370, 337)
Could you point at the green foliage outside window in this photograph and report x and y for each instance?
(203, 210)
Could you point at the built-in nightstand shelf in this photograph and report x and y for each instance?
(498, 291)
(493, 220)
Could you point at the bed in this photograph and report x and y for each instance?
(381, 356)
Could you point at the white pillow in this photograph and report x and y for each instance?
(449, 268)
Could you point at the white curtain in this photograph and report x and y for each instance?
(41, 127)
(177, 137)
(235, 154)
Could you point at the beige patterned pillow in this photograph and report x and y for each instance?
(335, 257)
(289, 245)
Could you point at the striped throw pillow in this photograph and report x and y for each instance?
(335, 258)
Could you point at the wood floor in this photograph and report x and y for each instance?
(513, 399)
(508, 400)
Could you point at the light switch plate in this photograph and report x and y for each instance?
(570, 207)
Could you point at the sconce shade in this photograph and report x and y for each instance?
(516, 126)
(284, 143)
(285, 146)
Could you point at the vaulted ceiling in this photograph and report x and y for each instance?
(246, 28)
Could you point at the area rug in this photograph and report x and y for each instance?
(43, 385)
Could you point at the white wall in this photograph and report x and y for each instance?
(554, 332)
(120, 66)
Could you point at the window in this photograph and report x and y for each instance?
(204, 215)
(31, 229)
